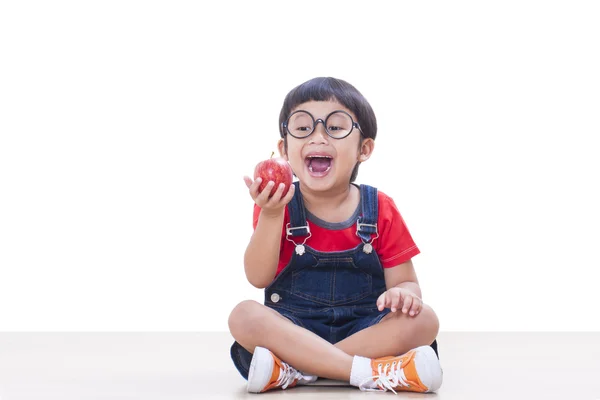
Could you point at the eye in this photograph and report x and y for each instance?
(333, 128)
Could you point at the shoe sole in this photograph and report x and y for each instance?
(428, 367)
(261, 369)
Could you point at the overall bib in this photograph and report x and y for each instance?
(332, 294)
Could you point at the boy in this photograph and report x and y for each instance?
(342, 298)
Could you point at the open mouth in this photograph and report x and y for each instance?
(318, 165)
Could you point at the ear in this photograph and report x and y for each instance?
(366, 149)
(281, 148)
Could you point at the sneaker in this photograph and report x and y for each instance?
(269, 372)
(418, 370)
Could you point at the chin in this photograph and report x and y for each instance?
(319, 185)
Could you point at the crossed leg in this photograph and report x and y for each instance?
(253, 324)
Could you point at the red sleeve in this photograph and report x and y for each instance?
(255, 215)
(397, 245)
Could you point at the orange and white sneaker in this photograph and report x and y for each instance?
(269, 372)
(418, 370)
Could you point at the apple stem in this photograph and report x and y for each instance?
(272, 153)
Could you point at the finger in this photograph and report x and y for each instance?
(277, 195)
(391, 301)
(263, 196)
(421, 305)
(395, 302)
(385, 300)
(289, 195)
(248, 181)
(381, 302)
(253, 188)
(407, 304)
(416, 306)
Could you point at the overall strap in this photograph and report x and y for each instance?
(298, 225)
(367, 223)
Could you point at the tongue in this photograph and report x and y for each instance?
(320, 164)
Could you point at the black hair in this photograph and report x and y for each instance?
(326, 89)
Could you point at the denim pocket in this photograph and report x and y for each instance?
(332, 281)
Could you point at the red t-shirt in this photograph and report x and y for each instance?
(394, 245)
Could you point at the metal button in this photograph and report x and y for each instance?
(275, 298)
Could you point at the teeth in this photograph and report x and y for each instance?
(311, 169)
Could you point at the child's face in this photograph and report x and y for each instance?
(320, 161)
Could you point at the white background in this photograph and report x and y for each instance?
(126, 128)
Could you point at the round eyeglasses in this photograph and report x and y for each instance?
(338, 124)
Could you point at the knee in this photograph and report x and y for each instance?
(242, 318)
(424, 327)
(430, 323)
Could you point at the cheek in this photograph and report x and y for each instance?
(350, 151)
(294, 149)
(294, 154)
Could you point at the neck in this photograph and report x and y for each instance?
(332, 199)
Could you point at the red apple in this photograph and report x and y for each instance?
(274, 169)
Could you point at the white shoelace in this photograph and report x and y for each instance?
(385, 380)
(287, 376)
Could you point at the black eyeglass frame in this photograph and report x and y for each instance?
(316, 121)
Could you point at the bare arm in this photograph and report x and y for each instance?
(262, 254)
(403, 276)
(403, 291)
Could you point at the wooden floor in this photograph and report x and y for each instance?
(152, 366)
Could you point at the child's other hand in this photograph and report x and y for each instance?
(399, 298)
(276, 203)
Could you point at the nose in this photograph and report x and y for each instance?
(320, 134)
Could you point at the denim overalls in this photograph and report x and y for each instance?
(332, 294)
